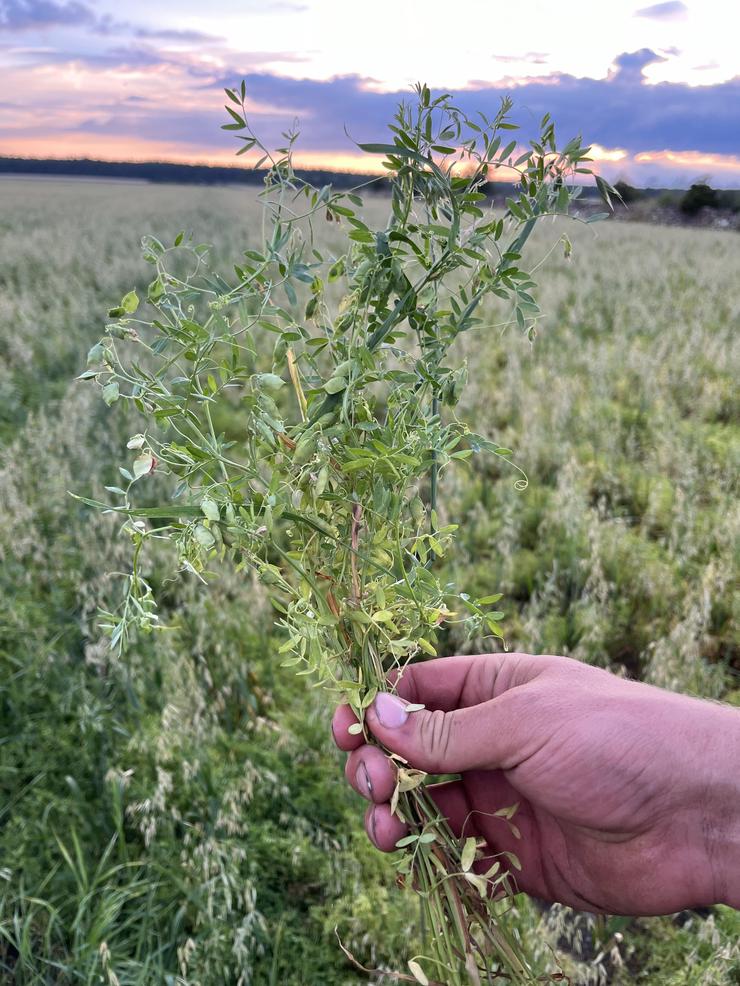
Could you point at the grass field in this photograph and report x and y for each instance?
(179, 816)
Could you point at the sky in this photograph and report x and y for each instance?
(654, 89)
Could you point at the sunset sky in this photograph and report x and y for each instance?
(655, 89)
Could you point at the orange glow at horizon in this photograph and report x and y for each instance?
(690, 159)
(114, 148)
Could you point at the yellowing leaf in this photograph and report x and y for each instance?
(382, 616)
(478, 882)
(468, 854)
(418, 973)
(130, 302)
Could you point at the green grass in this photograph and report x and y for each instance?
(180, 816)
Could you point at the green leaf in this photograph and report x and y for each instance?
(239, 122)
(130, 302)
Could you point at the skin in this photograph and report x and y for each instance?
(629, 795)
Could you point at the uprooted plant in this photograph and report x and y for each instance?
(328, 485)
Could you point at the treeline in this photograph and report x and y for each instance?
(203, 174)
(689, 201)
(163, 171)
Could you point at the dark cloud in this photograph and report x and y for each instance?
(619, 111)
(670, 11)
(22, 15)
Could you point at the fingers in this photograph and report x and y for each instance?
(492, 735)
(458, 682)
(343, 718)
(383, 828)
(450, 683)
(371, 773)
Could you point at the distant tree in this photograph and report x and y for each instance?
(698, 197)
(729, 199)
(628, 192)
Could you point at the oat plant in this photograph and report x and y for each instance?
(335, 377)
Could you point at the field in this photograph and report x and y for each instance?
(179, 816)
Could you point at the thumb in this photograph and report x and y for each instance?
(487, 736)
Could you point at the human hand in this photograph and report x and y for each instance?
(629, 796)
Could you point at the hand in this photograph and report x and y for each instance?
(629, 796)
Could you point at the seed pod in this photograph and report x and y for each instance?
(304, 450)
(279, 352)
(418, 512)
(321, 480)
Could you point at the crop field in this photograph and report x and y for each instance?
(179, 815)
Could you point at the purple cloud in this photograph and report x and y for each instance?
(118, 57)
(629, 66)
(620, 111)
(22, 15)
(164, 34)
(672, 10)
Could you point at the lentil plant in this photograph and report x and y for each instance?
(621, 552)
(330, 489)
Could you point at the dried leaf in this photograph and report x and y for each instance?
(418, 973)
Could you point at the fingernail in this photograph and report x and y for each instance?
(390, 710)
(363, 778)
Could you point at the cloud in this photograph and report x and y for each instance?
(619, 111)
(624, 114)
(117, 57)
(673, 10)
(532, 57)
(22, 15)
(164, 34)
(629, 66)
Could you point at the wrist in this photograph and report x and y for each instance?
(721, 807)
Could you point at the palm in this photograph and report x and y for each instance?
(609, 776)
(594, 832)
